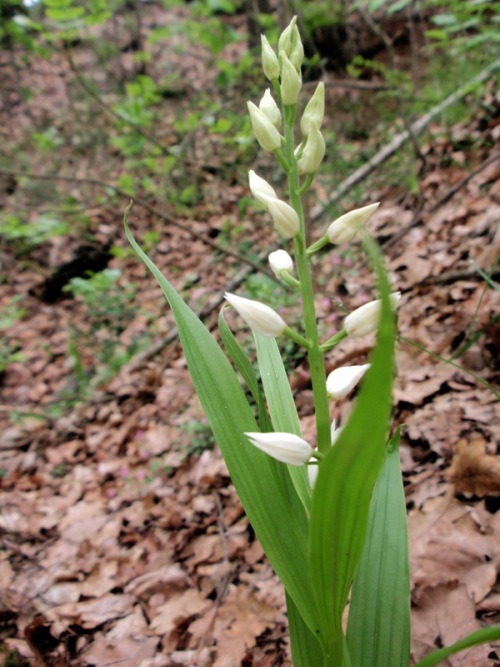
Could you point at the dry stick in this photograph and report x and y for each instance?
(398, 141)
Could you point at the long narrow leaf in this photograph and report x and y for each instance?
(263, 485)
(281, 405)
(347, 475)
(478, 637)
(245, 368)
(378, 631)
(306, 650)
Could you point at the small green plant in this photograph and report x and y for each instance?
(24, 235)
(9, 351)
(108, 309)
(200, 437)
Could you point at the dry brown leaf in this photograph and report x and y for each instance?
(443, 615)
(180, 607)
(473, 470)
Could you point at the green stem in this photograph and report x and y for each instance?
(334, 340)
(295, 336)
(315, 355)
(320, 243)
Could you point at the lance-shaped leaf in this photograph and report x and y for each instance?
(378, 631)
(281, 404)
(347, 475)
(263, 484)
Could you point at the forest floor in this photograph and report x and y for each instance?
(122, 540)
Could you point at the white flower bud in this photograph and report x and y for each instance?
(365, 319)
(266, 134)
(345, 228)
(291, 44)
(285, 39)
(314, 151)
(260, 188)
(296, 53)
(270, 62)
(280, 261)
(342, 380)
(314, 111)
(257, 315)
(269, 107)
(285, 218)
(291, 81)
(285, 447)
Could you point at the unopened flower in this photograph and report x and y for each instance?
(280, 261)
(285, 39)
(342, 380)
(285, 447)
(345, 228)
(285, 217)
(260, 188)
(314, 151)
(270, 62)
(296, 54)
(269, 107)
(314, 111)
(291, 81)
(258, 316)
(265, 132)
(291, 44)
(365, 319)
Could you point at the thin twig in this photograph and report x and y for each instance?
(399, 140)
(148, 207)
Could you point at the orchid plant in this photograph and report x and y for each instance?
(330, 514)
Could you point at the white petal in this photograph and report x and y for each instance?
(280, 260)
(257, 315)
(365, 319)
(346, 227)
(285, 447)
(342, 380)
